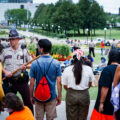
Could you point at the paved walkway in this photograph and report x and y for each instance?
(61, 113)
(54, 40)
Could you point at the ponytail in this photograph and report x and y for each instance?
(77, 69)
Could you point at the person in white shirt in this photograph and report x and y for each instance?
(76, 45)
(92, 48)
(77, 79)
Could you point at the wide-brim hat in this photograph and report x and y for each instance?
(79, 53)
(13, 34)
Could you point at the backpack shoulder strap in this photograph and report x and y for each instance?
(40, 67)
(47, 69)
(49, 66)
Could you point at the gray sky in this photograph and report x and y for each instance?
(108, 5)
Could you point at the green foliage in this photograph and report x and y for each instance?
(3, 32)
(31, 47)
(23, 29)
(69, 16)
(15, 15)
(48, 33)
(63, 50)
(98, 44)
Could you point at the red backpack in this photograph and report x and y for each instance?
(42, 91)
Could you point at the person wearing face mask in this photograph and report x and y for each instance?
(16, 109)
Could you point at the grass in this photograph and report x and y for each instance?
(92, 91)
(99, 33)
(115, 33)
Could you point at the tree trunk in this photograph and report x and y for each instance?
(91, 34)
(94, 31)
(78, 31)
(83, 31)
(88, 32)
(74, 33)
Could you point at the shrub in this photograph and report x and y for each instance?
(63, 50)
(98, 44)
(3, 32)
(23, 29)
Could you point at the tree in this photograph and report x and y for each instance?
(64, 16)
(93, 15)
(17, 15)
(43, 14)
(98, 16)
(84, 7)
(69, 16)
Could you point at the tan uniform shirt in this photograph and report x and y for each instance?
(13, 59)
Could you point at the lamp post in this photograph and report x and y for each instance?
(87, 35)
(52, 27)
(47, 28)
(58, 29)
(105, 29)
(110, 26)
(42, 28)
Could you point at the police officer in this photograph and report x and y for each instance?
(13, 58)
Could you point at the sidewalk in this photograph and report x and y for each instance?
(61, 113)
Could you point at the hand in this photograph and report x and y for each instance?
(32, 100)
(22, 67)
(58, 101)
(8, 74)
(101, 107)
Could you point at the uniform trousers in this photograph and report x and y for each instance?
(77, 104)
(23, 89)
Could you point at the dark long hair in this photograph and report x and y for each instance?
(77, 69)
(114, 56)
(12, 101)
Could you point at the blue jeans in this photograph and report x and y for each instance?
(102, 49)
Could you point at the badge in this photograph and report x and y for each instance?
(18, 57)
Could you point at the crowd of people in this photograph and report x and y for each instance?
(45, 74)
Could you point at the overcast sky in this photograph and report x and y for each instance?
(109, 5)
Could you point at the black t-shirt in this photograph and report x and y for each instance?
(107, 44)
(106, 80)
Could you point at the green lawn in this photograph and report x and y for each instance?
(115, 33)
(92, 91)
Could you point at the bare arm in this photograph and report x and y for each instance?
(104, 91)
(90, 84)
(28, 66)
(32, 80)
(117, 76)
(65, 87)
(59, 87)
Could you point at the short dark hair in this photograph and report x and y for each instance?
(45, 44)
(12, 101)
